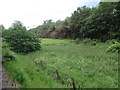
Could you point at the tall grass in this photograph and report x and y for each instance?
(90, 66)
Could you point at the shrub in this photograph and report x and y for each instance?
(89, 41)
(112, 41)
(20, 77)
(20, 40)
(7, 55)
(85, 41)
(93, 43)
(77, 40)
(115, 47)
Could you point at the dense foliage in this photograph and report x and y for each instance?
(100, 22)
(20, 40)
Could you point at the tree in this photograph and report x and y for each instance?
(101, 23)
(78, 20)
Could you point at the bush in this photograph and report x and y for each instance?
(7, 55)
(20, 40)
(20, 77)
(89, 41)
(115, 47)
(77, 40)
(112, 41)
(86, 41)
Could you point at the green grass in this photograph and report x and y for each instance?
(90, 66)
(47, 41)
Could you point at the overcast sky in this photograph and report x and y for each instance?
(33, 12)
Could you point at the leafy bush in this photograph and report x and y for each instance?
(112, 41)
(115, 47)
(77, 40)
(89, 41)
(7, 55)
(85, 41)
(4, 44)
(20, 77)
(20, 40)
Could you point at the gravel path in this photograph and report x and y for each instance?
(0, 75)
(0, 62)
(7, 82)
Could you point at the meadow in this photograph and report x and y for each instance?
(59, 63)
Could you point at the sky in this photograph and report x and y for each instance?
(33, 12)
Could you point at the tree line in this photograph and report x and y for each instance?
(100, 22)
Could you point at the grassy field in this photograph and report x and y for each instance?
(60, 60)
